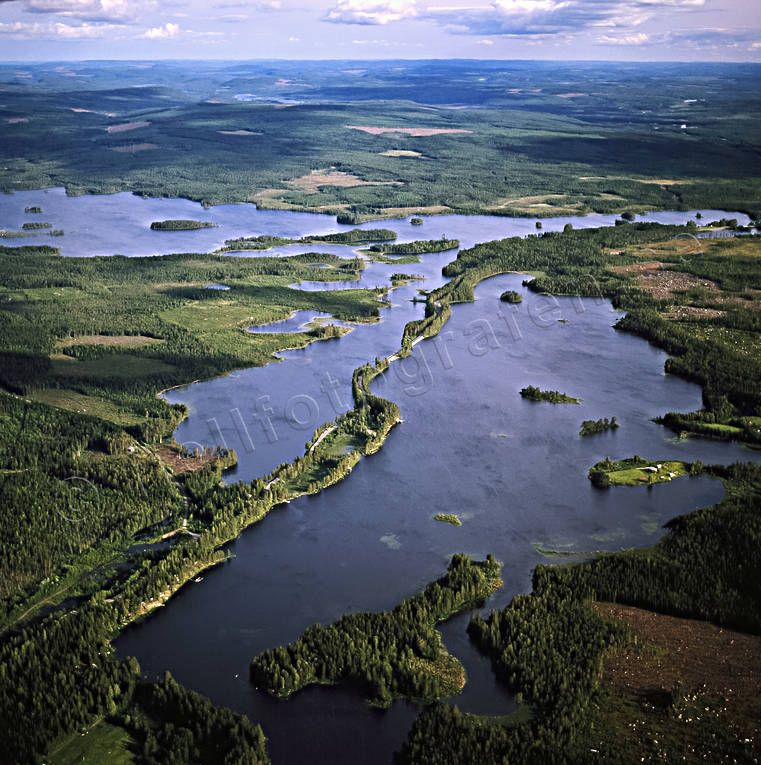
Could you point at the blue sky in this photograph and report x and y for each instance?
(634, 30)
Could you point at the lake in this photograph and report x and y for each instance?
(119, 224)
(513, 470)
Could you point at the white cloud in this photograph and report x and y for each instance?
(168, 31)
(485, 42)
(372, 11)
(19, 30)
(638, 39)
(249, 5)
(509, 17)
(531, 17)
(119, 11)
(684, 38)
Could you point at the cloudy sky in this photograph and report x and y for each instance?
(660, 30)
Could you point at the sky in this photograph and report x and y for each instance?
(631, 30)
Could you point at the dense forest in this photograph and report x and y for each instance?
(384, 654)
(116, 330)
(615, 148)
(549, 645)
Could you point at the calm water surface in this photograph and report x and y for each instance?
(519, 479)
(513, 470)
(119, 224)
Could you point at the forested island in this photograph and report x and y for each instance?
(552, 396)
(180, 225)
(385, 655)
(590, 427)
(511, 296)
(418, 247)
(355, 236)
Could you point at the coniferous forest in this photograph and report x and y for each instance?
(104, 518)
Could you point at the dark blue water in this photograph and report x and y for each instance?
(514, 471)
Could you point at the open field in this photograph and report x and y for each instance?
(77, 402)
(120, 341)
(665, 471)
(101, 743)
(312, 182)
(721, 667)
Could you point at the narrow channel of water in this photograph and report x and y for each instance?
(513, 470)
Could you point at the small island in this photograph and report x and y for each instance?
(180, 225)
(399, 280)
(32, 226)
(448, 518)
(637, 471)
(418, 247)
(416, 221)
(33, 209)
(511, 296)
(261, 242)
(354, 236)
(551, 396)
(590, 427)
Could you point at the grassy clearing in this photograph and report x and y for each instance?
(120, 341)
(330, 449)
(637, 476)
(102, 743)
(78, 402)
(216, 315)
